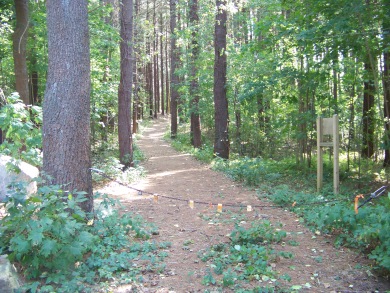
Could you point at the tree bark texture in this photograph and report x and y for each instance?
(167, 76)
(386, 82)
(125, 85)
(66, 107)
(196, 138)
(162, 65)
(174, 78)
(368, 114)
(221, 143)
(19, 49)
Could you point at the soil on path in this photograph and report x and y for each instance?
(317, 265)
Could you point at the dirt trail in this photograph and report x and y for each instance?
(317, 266)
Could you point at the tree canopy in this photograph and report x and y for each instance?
(287, 63)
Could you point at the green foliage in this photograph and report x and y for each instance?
(286, 183)
(61, 250)
(246, 257)
(367, 230)
(107, 161)
(182, 144)
(257, 171)
(335, 215)
(47, 232)
(21, 126)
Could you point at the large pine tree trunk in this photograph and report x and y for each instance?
(196, 138)
(125, 85)
(66, 107)
(167, 83)
(221, 143)
(19, 49)
(174, 78)
(162, 65)
(156, 93)
(368, 114)
(386, 82)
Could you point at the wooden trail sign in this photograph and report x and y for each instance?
(328, 127)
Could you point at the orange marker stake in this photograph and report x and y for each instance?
(191, 204)
(357, 202)
(155, 198)
(219, 208)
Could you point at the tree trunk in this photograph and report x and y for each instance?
(162, 65)
(174, 78)
(196, 138)
(155, 65)
(167, 89)
(386, 82)
(125, 85)
(3, 101)
(19, 49)
(368, 113)
(221, 143)
(66, 107)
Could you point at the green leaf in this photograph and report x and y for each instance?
(76, 249)
(20, 244)
(85, 238)
(48, 247)
(35, 236)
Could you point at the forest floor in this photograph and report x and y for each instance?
(316, 266)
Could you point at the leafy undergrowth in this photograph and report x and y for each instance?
(106, 160)
(248, 256)
(293, 187)
(60, 250)
(323, 212)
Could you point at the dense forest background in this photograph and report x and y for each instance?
(288, 62)
(243, 83)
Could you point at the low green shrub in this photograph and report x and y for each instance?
(246, 257)
(62, 249)
(325, 212)
(367, 230)
(46, 232)
(182, 143)
(21, 128)
(108, 162)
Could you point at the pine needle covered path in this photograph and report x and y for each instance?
(316, 265)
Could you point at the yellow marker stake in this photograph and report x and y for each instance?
(219, 208)
(155, 198)
(191, 203)
(248, 208)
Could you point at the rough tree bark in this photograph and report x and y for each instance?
(221, 142)
(66, 107)
(125, 85)
(19, 49)
(368, 113)
(174, 78)
(162, 65)
(196, 138)
(386, 81)
(167, 75)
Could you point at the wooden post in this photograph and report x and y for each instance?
(328, 126)
(336, 143)
(320, 166)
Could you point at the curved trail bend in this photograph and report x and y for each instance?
(316, 263)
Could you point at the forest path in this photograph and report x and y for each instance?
(316, 266)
